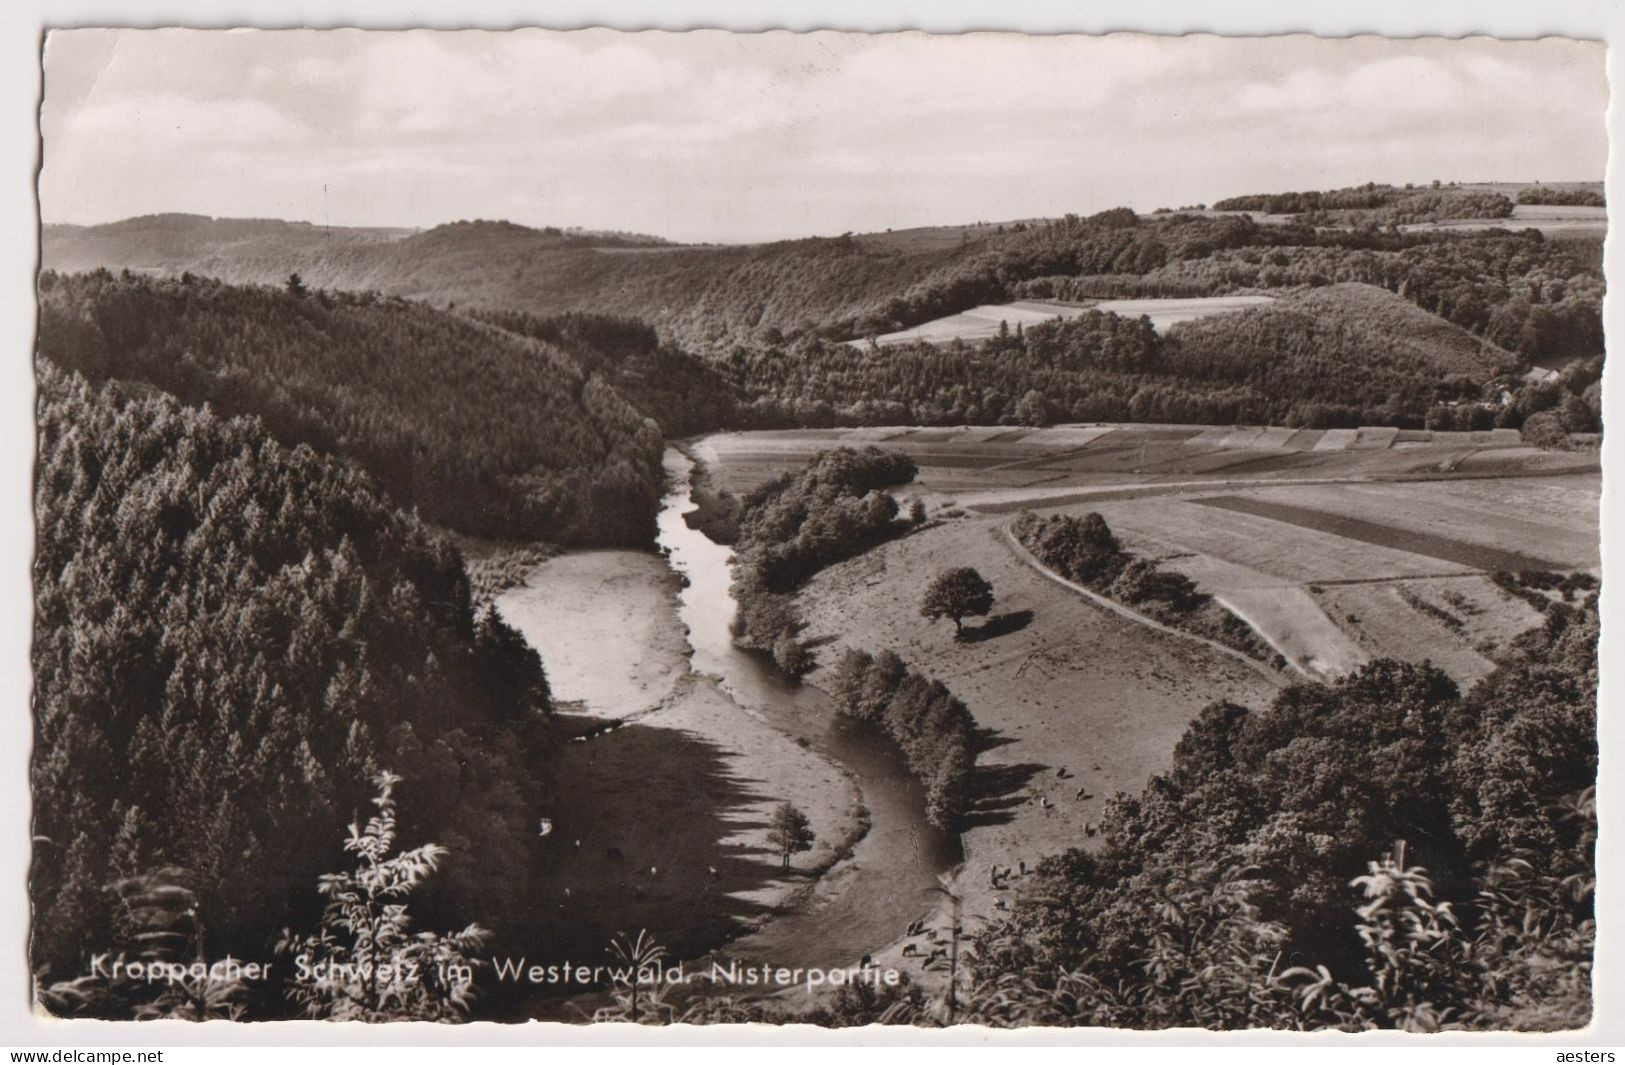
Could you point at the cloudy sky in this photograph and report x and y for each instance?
(709, 135)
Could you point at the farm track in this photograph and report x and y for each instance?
(1002, 533)
(1400, 578)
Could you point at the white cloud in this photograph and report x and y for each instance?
(778, 132)
(167, 122)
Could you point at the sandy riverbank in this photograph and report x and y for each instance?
(662, 822)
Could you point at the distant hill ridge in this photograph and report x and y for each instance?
(1537, 297)
(704, 295)
(243, 249)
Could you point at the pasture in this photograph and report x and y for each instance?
(1331, 590)
(1337, 546)
(1004, 468)
(980, 323)
(1550, 219)
(1077, 703)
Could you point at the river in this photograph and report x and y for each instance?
(887, 882)
(674, 666)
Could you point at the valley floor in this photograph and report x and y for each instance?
(1078, 702)
(1387, 552)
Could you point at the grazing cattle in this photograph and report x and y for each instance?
(911, 951)
(654, 870)
(713, 871)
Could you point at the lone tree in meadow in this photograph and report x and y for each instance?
(789, 832)
(958, 593)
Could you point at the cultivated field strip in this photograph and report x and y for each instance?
(1171, 529)
(1284, 614)
(1523, 527)
(1476, 556)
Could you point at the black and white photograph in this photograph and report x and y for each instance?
(1070, 531)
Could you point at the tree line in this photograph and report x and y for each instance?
(1546, 195)
(932, 727)
(1373, 204)
(1084, 550)
(789, 528)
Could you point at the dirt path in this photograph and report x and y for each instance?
(1078, 703)
(1105, 603)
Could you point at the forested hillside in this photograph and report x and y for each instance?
(1342, 324)
(218, 247)
(1345, 355)
(231, 639)
(1538, 298)
(1226, 885)
(248, 248)
(681, 392)
(1347, 346)
(484, 430)
(700, 295)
